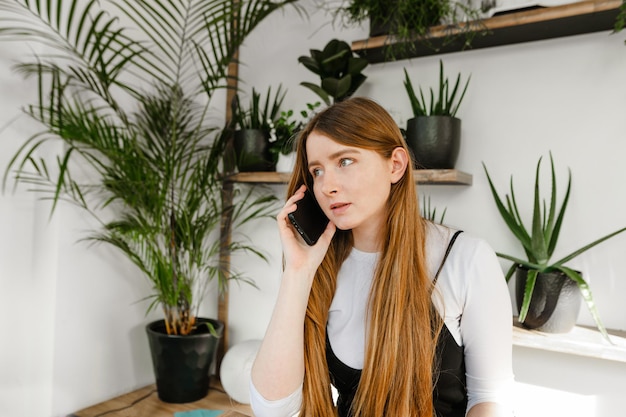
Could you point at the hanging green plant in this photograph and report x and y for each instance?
(408, 23)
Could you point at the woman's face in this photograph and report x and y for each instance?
(352, 186)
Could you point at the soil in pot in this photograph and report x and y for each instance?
(182, 364)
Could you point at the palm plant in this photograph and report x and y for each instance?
(126, 87)
(539, 244)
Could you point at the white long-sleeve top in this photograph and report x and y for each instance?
(472, 296)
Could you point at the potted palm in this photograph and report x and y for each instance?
(544, 293)
(434, 132)
(126, 88)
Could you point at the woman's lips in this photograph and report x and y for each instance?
(339, 208)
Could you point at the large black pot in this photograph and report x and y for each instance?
(252, 151)
(555, 302)
(434, 140)
(182, 364)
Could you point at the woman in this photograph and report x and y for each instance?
(404, 317)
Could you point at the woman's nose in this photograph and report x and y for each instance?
(329, 183)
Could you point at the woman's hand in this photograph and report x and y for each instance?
(298, 255)
(278, 369)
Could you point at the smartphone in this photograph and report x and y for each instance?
(309, 219)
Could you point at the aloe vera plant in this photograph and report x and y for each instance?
(540, 243)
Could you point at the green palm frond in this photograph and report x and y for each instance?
(126, 87)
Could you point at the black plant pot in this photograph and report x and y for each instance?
(182, 364)
(252, 151)
(555, 302)
(434, 140)
(379, 26)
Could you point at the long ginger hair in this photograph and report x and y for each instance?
(397, 376)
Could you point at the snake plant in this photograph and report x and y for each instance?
(444, 103)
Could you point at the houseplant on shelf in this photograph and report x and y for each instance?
(544, 288)
(126, 88)
(434, 132)
(283, 134)
(253, 125)
(407, 23)
(340, 71)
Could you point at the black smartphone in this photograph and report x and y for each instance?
(309, 219)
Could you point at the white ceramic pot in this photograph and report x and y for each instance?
(286, 162)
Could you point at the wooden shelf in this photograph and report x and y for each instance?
(580, 341)
(515, 27)
(422, 176)
(145, 402)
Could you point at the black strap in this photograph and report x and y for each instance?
(445, 256)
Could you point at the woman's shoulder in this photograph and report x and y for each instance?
(466, 245)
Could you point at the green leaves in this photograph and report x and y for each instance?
(255, 115)
(339, 70)
(125, 86)
(445, 103)
(540, 243)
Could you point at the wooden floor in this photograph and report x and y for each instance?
(145, 402)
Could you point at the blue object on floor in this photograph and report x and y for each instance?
(198, 413)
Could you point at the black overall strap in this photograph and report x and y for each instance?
(445, 256)
(450, 392)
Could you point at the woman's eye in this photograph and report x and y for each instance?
(344, 162)
(316, 172)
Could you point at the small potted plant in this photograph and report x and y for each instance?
(544, 288)
(340, 71)
(253, 126)
(434, 133)
(283, 133)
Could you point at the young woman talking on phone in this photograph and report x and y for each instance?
(404, 317)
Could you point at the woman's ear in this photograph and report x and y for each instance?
(399, 163)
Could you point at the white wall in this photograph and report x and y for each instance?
(564, 95)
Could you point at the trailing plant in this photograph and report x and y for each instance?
(540, 241)
(620, 20)
(340, 71)
(447, 100)
(408, 23)
(126, 87)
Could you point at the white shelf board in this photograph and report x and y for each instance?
(580, 341)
